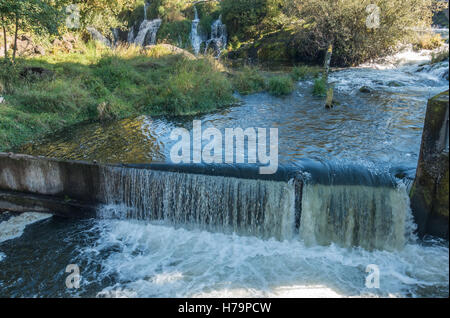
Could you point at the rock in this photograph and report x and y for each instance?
(430, 191)
(97, 36)
(2, 99)
(39, 50)
(366, 89)
(395, 84)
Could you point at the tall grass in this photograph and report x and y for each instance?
(99, 84)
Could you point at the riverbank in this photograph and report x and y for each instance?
(48, 93)
(45, 94)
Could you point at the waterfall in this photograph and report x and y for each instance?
(196, 39)
(225, 204)
(146, 4)
(355, 215)
(218, 36)
(147, 32)
(130, 37)
(373, 215)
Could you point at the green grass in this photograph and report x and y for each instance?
(303, 72)
(99, 84)
(320, 87)
(249, 81)
(280, 85)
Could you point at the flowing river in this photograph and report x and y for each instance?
(133, 256)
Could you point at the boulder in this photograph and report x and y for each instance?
(366, 89)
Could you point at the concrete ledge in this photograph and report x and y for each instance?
(20, 202)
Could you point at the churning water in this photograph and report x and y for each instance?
(168, 234)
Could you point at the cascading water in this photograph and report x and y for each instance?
(355, 215)
(218, 38)
(370, 216)
(244, 206)
(146, 35)
(147, 32)
(196, 39)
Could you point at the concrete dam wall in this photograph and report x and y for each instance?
(317, 202)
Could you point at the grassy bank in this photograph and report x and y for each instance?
(99, 84)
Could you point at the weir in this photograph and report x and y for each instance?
(320, 203)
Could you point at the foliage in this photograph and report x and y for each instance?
(249, 80)
(343, 23)
(428, 42)
(38, 16)
(248, 19)
(320, 87)
(175, 33)
(280, 85)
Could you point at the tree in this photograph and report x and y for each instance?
(345, 25)
(30, 15)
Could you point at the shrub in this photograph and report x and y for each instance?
(320, 87)
(249, 81)
(428, 42)
(343, 23)
(280, 85)
(175, 33)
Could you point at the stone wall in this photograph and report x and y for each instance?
(430, 191)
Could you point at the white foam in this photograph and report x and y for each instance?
(14, 226)
(163, 261)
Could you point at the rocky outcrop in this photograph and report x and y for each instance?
(430, 191)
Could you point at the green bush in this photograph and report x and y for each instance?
(343, 23)
(248, 81)
(320, 87)
(176, 33)
(280, 85)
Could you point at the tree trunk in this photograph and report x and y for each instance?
(330, 88)
(4, 37)
(15, 38)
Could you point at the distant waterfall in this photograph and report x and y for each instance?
(371, 216)
(147, 32)
(196, 39)
(146, 35)
(218, 38)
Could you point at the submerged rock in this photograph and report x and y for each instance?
(395, 84)
(366, 89)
